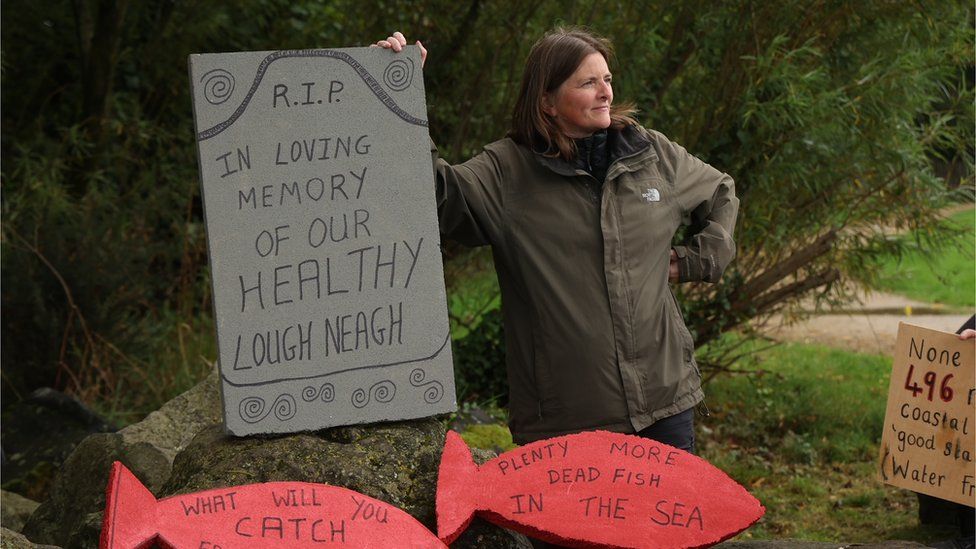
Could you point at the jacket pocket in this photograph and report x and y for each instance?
(691, 378)
(688, 341)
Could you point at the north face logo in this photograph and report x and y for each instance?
(651, 195)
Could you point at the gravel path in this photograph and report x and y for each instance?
(871, 326)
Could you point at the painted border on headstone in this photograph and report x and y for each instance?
(927, 444)
(324, 248)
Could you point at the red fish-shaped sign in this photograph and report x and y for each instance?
(274, 514)
(594, 489)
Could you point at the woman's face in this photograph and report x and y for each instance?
(581, 104)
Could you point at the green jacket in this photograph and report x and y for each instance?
(594, 336)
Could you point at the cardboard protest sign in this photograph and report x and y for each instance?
(273, 514)
(928, 443)
(318, 194)
(595, 489)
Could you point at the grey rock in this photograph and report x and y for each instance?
(39, 433)
(484, 535)
(87, 532)
(147, 448)
(393, 462)
(800, 544)
(173, 426)
(778, 544)
(80, 487)
(889, 544)
(15, 540)
(14, 510)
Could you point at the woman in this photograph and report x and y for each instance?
(580, 204)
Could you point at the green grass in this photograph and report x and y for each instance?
(813, 403)
(803, 437)
(947, 276)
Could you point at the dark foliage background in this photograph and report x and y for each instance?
(834, 117)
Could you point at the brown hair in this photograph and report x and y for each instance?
(553, 59)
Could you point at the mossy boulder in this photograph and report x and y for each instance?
(183, 448)
(147, 448)
(79, 489)
(15, 540)
(394, 462)
(801, 544)
(15, 510)
(39, 433)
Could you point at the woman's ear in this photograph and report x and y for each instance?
(547, 105)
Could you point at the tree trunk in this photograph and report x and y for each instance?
(100, 28)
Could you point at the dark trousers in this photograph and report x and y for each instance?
(677, 430)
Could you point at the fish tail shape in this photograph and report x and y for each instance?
(457, 492)
(130, 512)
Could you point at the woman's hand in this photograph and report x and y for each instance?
(673, 267)
(396, 42)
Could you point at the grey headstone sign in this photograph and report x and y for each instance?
(325, 258)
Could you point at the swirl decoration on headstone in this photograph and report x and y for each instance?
(284, 407)
(326, 392)
(435, 389)
(253, 409)
(381, 391)
(218, 86)
(398, 74)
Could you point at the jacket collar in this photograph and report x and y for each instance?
(630, 147)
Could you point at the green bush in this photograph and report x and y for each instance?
(479, 362)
